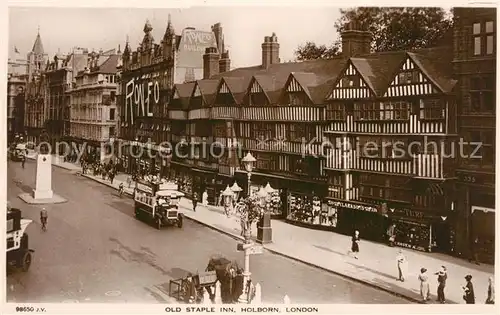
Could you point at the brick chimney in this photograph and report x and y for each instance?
(224, 62)
(270, 51)
(355, 40)
(210, 62)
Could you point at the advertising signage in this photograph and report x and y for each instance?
(140, 97)
(192, 47)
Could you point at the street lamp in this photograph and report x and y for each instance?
(236, 190)
(228, 196)
(269, 189)
(248, 161)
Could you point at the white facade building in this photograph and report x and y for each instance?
(93, 112)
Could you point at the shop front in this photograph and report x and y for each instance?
(483, 232)
(345, 217)
(285, 188)
(203, 181)
(182, 174)
(423, 231)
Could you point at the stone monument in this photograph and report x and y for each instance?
(43, 186)
(42, 193)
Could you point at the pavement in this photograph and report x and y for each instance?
(376, 266)
(95, 251)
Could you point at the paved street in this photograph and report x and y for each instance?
(95, 251)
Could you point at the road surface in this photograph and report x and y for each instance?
(96, 251)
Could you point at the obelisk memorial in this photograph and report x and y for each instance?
(42, 193)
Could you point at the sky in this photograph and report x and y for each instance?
(105, 28)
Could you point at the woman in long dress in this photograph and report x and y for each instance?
(424, 285)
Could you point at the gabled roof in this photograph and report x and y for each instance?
(304, 79)
(208, 88)
(435, 67)
(318, 77)
(184, 90)
(267, 82)
(237, 86)
(364, 69)
(378, 70)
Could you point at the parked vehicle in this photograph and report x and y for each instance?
(157, 202)
(18, 152)
(18, 251)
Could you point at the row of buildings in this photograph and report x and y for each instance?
(179, 109)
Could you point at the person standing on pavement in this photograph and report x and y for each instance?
(391, 234)
(469, 291)
(111, 175)
(475, 251)
(355, 244)
(425, 290)
(401, 259)
(204, 198)
(491, 291)
(442, 276)
(129, 180)
(195, 201)
(23, 160)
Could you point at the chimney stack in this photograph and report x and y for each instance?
(219, 37)
(270, 51)
(224, 62)
(210, 62)
(355, 40)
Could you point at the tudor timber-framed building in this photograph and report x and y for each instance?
(304, 122)
(475, 69)
(385, 113)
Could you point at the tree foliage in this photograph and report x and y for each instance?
(310, 51)
(391, 29)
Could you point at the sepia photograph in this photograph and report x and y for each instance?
(250, 159)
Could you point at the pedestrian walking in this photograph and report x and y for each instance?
(391, 234)
(491, 291)
(469, 297)
(23, 160)
(474, 255)
(111, 176)
(355, 244)
(401, 259)
(195, 201)
(442, 276)
(43, 219)
(120, 189)
(129, 180)
(425, 290)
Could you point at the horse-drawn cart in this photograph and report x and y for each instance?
(220, 269)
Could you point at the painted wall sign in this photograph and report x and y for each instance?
(140, 96)
(192, 47)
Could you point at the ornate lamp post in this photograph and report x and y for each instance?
(236, 190)
(248, 161)
(269, 189)
(228, 197)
